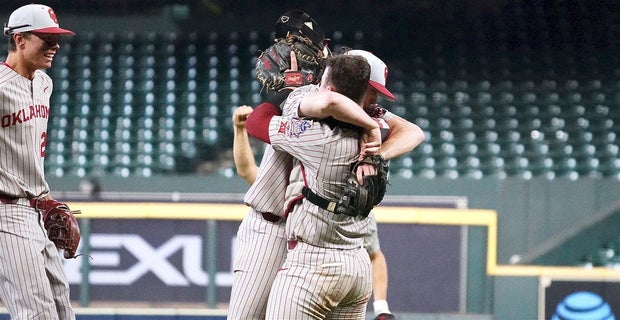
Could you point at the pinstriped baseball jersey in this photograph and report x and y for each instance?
(327, 273)
(267, 192)
(33, 284)
(326, 155)
(24, 111)
(293, 194)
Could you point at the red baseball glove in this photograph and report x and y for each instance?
(62, 227)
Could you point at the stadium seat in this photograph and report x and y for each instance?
(497, 104)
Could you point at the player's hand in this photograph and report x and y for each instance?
(364, 169)
(293, 62)
(370, 142)
(240, 115)
(292, 77)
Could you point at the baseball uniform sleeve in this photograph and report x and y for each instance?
(257, 123)
(290, 107)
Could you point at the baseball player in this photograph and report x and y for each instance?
(261, 246)
(32, 281)
(261, 241)
(327, 273)
(404, 137)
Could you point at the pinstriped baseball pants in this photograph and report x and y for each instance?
(32, 280)
(261, 251)
(318, 283)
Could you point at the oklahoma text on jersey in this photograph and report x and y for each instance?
(26, 114)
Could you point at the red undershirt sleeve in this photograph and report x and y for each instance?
(257, 123)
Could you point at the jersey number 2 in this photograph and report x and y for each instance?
(43, 142)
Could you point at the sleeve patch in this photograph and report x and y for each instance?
(293, 127)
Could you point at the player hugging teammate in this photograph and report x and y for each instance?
(278, 182)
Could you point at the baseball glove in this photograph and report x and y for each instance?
(357, 199)
(62, 227)
(273, 65)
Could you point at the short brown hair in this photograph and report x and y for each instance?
(349, 76)
(12, 47)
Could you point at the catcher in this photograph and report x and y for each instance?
(261, 237)
(296, 59)
(295, 32)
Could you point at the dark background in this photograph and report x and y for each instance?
(438, 30)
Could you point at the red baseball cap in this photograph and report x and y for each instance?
(36, 18)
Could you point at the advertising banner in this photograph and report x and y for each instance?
(573, 300)
(163, 260)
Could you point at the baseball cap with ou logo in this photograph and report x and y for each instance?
(34, 17)
(378, 72)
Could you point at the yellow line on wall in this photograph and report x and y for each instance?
(559, 272)
(222, 211)
(160, 210)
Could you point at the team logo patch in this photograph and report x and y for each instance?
(294, 128)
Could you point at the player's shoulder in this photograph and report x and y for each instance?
(303, 90)
(44, 78)
(43, 75)
(292, 102)
(6, 73)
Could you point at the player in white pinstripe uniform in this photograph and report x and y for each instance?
(404, 137)
(329, 245)
(263, 229)
(32, 281)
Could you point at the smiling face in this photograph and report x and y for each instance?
(30, 51)
(39, 49)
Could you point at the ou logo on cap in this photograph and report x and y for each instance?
(52, 15)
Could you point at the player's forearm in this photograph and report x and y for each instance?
(243, 156)
(332, 104)
(404, 137)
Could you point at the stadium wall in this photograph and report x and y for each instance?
(532, 214)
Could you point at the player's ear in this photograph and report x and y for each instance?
(18, 38)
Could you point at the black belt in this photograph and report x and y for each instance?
(270, 217)
(13, 200)
(321, 202)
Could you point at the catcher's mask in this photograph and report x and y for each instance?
(300, 23)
